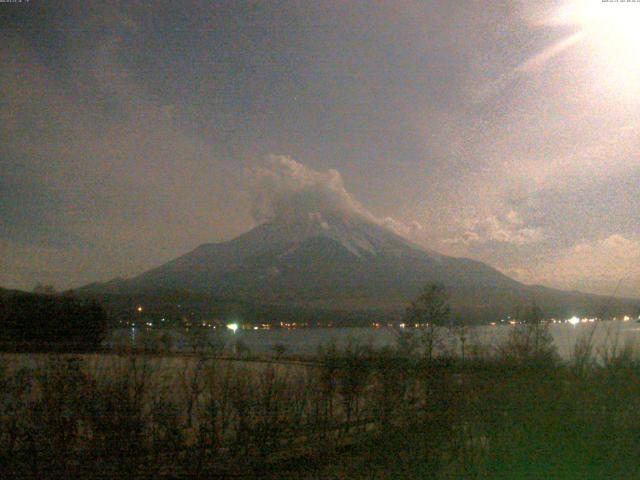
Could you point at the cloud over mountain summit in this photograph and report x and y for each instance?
(283, 187)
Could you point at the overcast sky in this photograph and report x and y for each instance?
(503, 131)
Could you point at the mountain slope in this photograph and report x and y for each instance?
(335, 260)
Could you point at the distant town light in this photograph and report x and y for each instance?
(574, 320)
(626, 318)
(233, 327)
(139, 308)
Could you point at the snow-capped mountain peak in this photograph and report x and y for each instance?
(335, 259)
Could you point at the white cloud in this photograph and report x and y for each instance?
(506, 228)
(282, 186)
(412, 230)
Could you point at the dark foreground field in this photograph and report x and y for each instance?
(514, 412)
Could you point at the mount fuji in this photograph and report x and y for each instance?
(340, 260)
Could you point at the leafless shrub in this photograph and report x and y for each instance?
(583, 359)
(529, 345)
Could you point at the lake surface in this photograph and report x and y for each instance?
(307, 341)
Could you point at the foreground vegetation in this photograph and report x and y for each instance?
(45, 321)
(516, 411)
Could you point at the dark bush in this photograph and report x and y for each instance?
(34, 318)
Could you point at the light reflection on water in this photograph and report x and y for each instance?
(307, 341)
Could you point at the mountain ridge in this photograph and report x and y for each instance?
(333, 259)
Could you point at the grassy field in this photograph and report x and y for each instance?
(516, 411)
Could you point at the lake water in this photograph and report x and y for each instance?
(307, 341)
